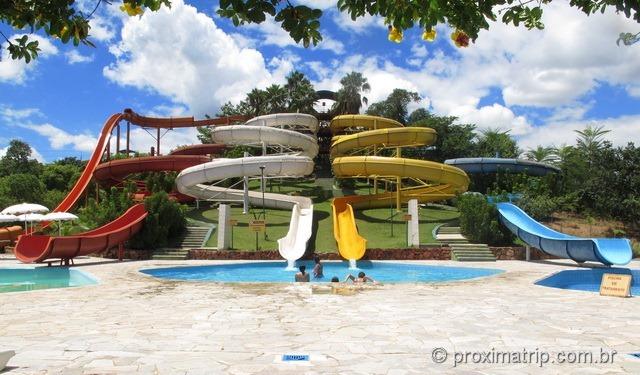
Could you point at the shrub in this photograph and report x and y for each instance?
(165, 220)
(539, 207)
(479, 221)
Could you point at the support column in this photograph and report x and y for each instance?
(245, 196)
(118, 140)
(398, 183)
(413, 227)
(527, 250)
(128, 136)
(224, 229)
(158, 143)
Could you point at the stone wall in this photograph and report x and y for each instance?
(128, 254)
(435, 253)
(518, 253)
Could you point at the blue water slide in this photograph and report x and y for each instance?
(494, 165)
(607, 251)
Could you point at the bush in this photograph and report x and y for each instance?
(538, 207)
(113, 203)
(165, 220)
(479, 221)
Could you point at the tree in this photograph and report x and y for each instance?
(395, 106)
(301, 95)
(22, 187)
(562, 152)
(541, 154)
(18, 159)
(453, 141)
(468, 17)
(591, 138)
(60, 19)
(497, 143)
(349, 98)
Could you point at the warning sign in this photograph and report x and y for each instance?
(257, 225)
(615, 285)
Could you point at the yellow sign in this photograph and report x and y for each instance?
(615, 285)
(233, 222)
(257, 225)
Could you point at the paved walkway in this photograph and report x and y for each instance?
(132, 323)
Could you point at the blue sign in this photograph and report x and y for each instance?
(295, 358)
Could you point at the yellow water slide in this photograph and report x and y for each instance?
(357, 155)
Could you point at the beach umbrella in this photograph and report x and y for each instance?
(24, 208)
(31, 217)
(8, 218)
(58, 217)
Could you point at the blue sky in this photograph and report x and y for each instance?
(541, 85)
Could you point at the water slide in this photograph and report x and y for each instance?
(428, 181)
(607, 251)
(38, 248)
(10, 234)
(495, 165)
(31, 248)
(294, 159)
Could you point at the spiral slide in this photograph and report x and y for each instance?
(38, 248)
(494, 165)
(294, 160)
(429, 181)
(607, 251)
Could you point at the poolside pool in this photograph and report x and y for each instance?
(276, 272)
(588, 280)
(24, 279)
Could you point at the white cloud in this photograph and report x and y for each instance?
(181, 54)
(75, 57)
(60, 139)
(360, 25)
(319, 4)
(17, 71)
(624, 129)
(272, 33)
(102, 29)
(419, 50)
(10, 114)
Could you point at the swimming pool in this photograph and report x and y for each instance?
(25, 279)
(588, 280)
(276, 272)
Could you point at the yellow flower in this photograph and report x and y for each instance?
(460, 38)
(429, 35)
(131, 10)
(395, 35)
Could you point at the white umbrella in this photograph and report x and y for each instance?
(24, 208)
(59, 216)
(8, 218)
(30, 218)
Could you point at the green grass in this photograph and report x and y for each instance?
(373, 224)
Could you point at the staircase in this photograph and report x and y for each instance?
(461, 249)
(471, 252)
(193, 238)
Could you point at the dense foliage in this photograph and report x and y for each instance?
(166, 220)
(479, 221)
(469, 17)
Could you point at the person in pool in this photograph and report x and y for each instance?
(335, 279)
(302, 276)
(362, 278)
(317, 269)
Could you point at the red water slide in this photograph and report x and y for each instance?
(37, 248)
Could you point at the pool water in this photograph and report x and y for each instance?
(277, 272)
(588, 280)
(25, 279)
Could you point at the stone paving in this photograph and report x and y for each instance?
(132, 323)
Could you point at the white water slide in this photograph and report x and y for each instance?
(295, 159)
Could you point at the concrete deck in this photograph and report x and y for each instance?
(132, 323)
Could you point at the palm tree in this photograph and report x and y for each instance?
(349, 98)
(497, 143)
(256, 102)
(300, 93)
(276, 96)
(541, 154)
(563, 152)
(591, 138)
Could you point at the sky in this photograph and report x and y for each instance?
(540, 85)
